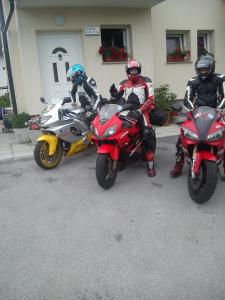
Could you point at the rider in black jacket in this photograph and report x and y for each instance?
(206, 89)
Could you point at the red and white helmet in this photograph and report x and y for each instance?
(133, 69)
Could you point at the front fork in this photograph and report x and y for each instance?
(193, 163)
(198, 157)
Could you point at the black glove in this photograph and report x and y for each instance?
(135, 114)
(113, 91)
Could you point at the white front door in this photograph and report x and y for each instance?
(56, 53)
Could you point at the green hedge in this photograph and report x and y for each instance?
(5, 101)
(18, 121)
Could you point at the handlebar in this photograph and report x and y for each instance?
(65, 112)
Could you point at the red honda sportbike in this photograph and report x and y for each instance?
(118, 138)
(203, 142)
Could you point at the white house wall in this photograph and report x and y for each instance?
(148, 28)
(31, 21)
(190, 15)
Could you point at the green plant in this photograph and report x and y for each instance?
(5, 101)
(164, 98)
(18, 121)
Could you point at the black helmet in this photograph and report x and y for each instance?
(205, 66)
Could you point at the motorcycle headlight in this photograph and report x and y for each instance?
(110, 131)
(94, 130)
(217, 135)
(44, 119)
(190, 134)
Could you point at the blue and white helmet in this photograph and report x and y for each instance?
(76, 73)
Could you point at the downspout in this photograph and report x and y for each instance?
(4, 29)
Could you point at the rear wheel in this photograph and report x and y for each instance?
(203, 186)
(106, 170)
(42, 157)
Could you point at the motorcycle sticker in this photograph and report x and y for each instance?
(210, 116)
(197, 115)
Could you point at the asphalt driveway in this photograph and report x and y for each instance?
(63, 237)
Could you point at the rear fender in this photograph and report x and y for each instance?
(112, 150)
(52, 141)
(199, 157)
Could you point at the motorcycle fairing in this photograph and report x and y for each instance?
(52, 141)
(203, 117)
(79, 146)
(112, 150)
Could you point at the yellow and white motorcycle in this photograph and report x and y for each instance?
(65, 132)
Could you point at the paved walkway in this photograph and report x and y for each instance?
(11, 150)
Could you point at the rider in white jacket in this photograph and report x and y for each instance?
(84, 92)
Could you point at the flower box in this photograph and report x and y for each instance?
(113, 54)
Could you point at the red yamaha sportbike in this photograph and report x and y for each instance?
(118, 138)
(203, 142)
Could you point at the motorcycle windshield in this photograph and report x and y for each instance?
(107, 111)
(203, 117)
(51, 104)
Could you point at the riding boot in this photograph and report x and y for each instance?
(177, 169)
(150, 164)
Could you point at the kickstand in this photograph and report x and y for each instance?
(222, 177)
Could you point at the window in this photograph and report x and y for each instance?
(205, 42)
(176, 47)
(114, 44)
(202, 44)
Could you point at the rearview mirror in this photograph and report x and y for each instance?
(42, 99)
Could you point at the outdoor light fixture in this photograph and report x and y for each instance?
(59, 20)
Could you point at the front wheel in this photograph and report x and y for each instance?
(43, 159)
(203, 186)
(106, 170)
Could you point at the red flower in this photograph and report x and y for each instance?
(117, 54)
(101, 50)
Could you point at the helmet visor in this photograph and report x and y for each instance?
(133, 71)
(76, 77)
(204, 71)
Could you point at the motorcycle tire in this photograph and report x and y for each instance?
(202, 189)
(105, 173)
(43, 159)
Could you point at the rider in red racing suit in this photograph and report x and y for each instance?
(142, 87)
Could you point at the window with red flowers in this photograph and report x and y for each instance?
(178, 46)
(114, 44)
